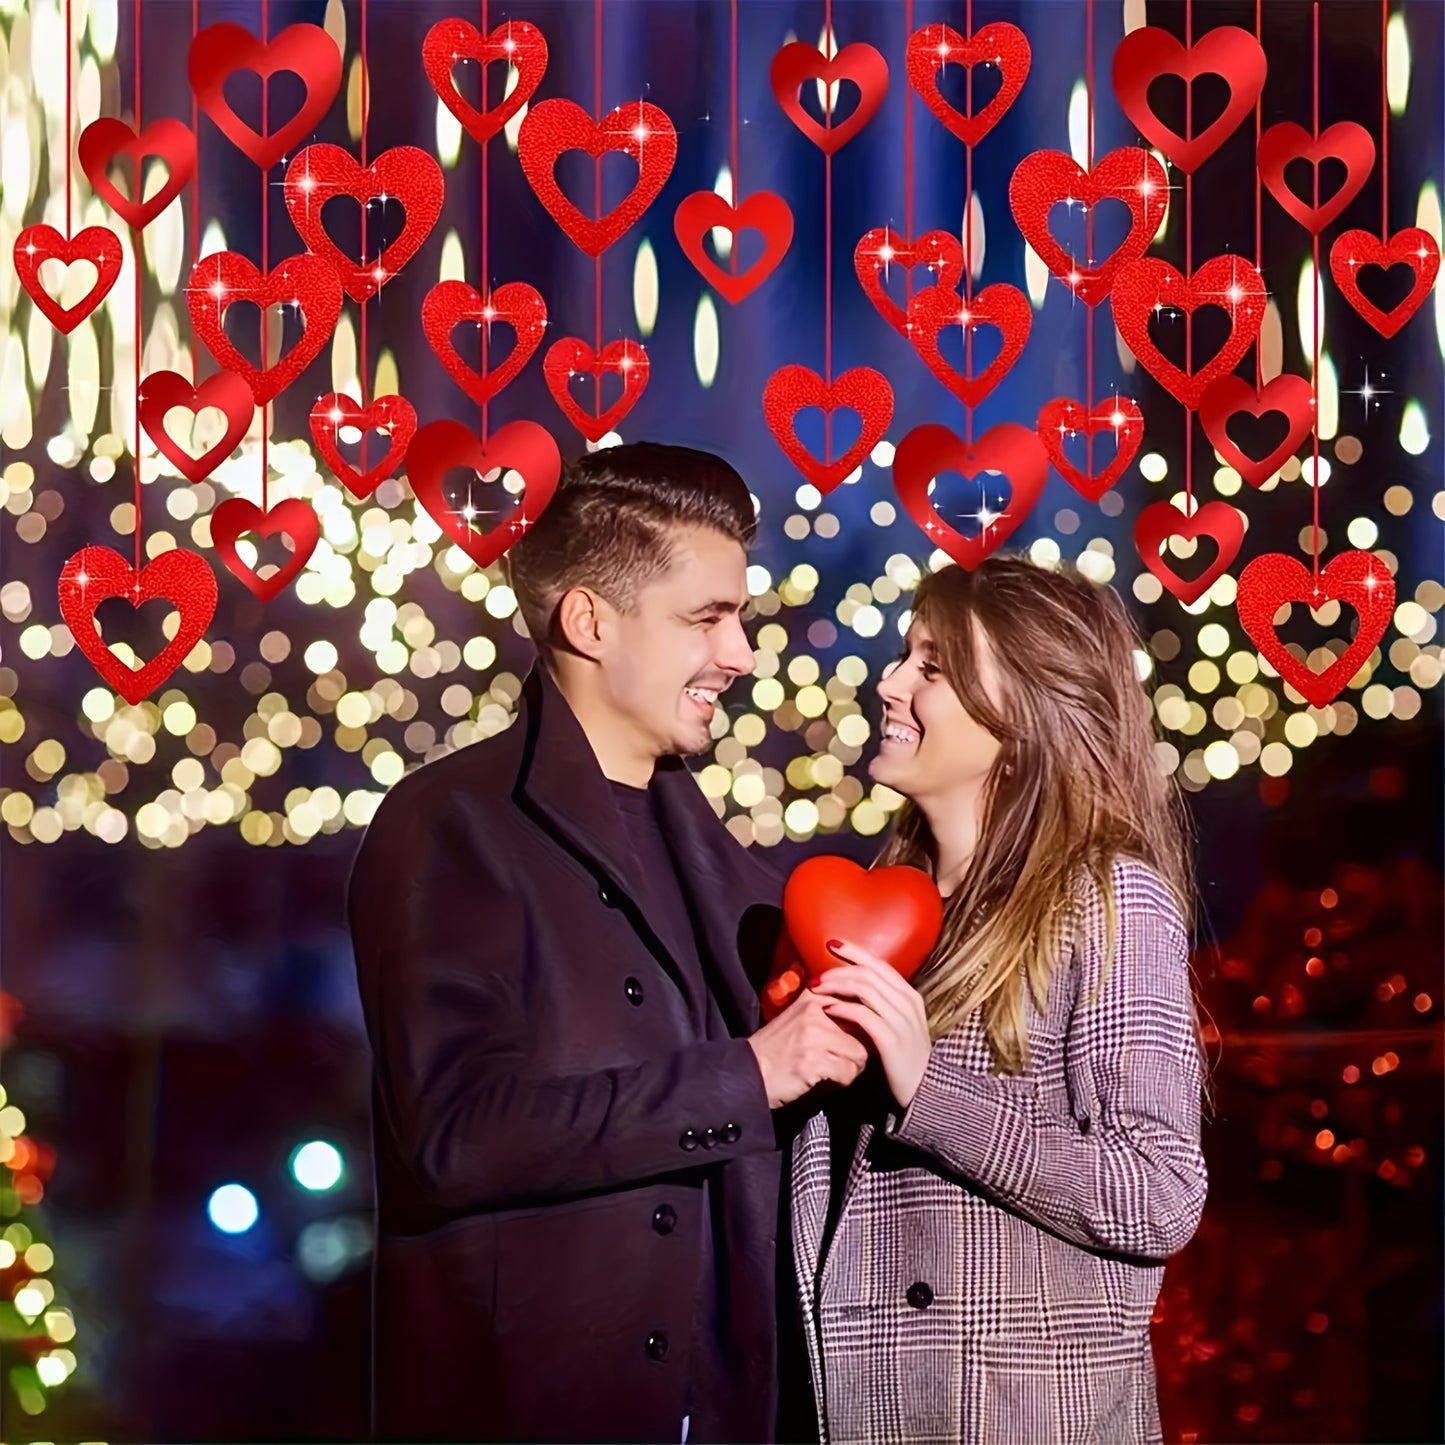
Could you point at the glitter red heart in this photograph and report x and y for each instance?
(1344, 141)
(515, 42)
(571, 355)
(1063, 417)
(1161, 520)
(882, 248)
(763, 211)
(798, 62)
(1354, 251)
(393, 415)
(936, 46)
(1230, 395)
(162, 391)
(36, 245)
(107, 140)
(514, 304)
(1003, 307)
(792, 389)
(293, 517)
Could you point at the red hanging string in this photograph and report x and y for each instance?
(1258, 199)
(135, 260)
(968, 230)
(1189, 268)
(1089, 229)
(1384, 120)
(829, 43)
(1315, 300)
(363, 379)
(195, 188)
(265, 268)
(597, 203)
(486, 286)
(69, 112)
(908, 158)
(737, 195)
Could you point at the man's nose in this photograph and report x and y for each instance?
(734, 652)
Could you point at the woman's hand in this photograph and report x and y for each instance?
(887, 1008)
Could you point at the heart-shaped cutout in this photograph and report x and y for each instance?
(1118, 416)
(763, 211)
(36, 245)
(572, 357)
(163, 391)
(1003, 307)
(293, 518)
(798, 62)
(936, 46)
(882, 248)
(516, 42)
(1355, 251)
(1344, 141)
(792, 389)
(1230, 396)
(107, 140)
(393, 415)
(1161, 520)
(515, 304)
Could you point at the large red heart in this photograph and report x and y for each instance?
(162, 391)
(520, 446)
(636, 129)
(36, 245)
(404, 174)
(514, 304)
(929, 450)
(762, 211)
(1354, 251)
(306, 281)
(798, 62)
(1001, 306)
(1149, 284)
(1064, 417)
(1162, 520)
(1131, 175)
(180, 577)
(791, 389)
(294, 517)
(106, 140)
(1359, 579)
(935, 46)
(394, 415)
(571, 355)
(882, 248)
(219, 51)
(516, 42)
(1227, 51)
(1293, 396)
(1344, 141)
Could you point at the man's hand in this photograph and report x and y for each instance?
(803, 1048)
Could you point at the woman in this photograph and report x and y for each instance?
(980, 1222)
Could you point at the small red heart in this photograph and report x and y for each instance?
(1162, 520)
(106, 140)
(791, 389)
(1354, 251)
(571, 355)
(162, 391)
(94, 574)
(1344, 141)
(762, 211)
(798, 62)
(936, 46)
(1117, 414)
(520, 446)
(1003, 307)
(295, 518)
(1358, 579)
(219, 51)
(881, 248)
(36, 245)
(929, 450)
(516, 42)
(394, 415)
(636, 129)
(1230, 395)
(514, 304)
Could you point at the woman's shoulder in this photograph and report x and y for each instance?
(1138, 890)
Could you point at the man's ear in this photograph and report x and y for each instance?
(584, 619)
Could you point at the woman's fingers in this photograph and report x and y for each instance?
(851, 953)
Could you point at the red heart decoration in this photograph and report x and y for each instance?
(107, 139)
(163, 390)
(293, 517)
(798, 62)
(1359, 579)
(224, 277)
(1118, 414)
(1230, 395)
(935, 46)
(515, 41)
(880, 248)
(394, 415)
(36, 245)
(763, 211)
(405, 174)
(219, 51)
(638, 129)
(1001, 306)
(94, 574)
(1161, 520)
(1228, 281)
(1344, 141)
(930, 449)
(520, 446)
(1132, 175)
(1353, 251)
(792, 388)
(1227, 51)
(514, 304)
(623, 357)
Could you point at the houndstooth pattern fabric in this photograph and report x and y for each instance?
(1036, 1210)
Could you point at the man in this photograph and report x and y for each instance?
(577, 1162)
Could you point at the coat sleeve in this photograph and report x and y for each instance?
(1129, 1179)
(440, 944)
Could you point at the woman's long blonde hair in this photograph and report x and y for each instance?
(1075, 785)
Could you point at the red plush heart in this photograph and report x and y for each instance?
(1358, 579)
(1344, 141)
(162, 391)
(798, 62)
(516, 42)
(936, 46)
(1162, 520)
(294, 517)
(571, 356)
(36, 245)
(94, 574)
(636, 129)
(520, 446)
(1291, 395)
(1148, 284)
(1131, 175)
(394, 415)
(929, 450)
(1003, 307)
(763, 211)
(514, 304)
(791, 389)
(1227, 51)
(106, 140)
(882, 248)
(219, 51)
(404, 174)
(224, 277)
(1064, 417)
(1354, 251)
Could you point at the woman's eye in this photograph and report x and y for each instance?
(930, 670)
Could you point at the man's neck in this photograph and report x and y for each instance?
(614, 743)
